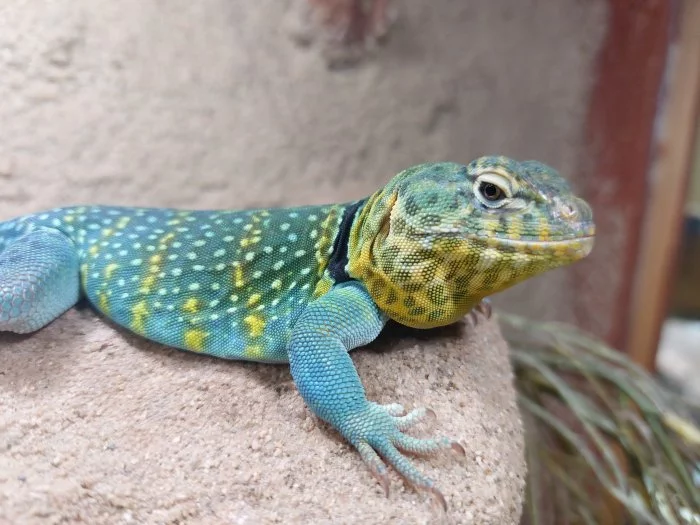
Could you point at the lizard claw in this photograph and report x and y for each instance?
(439, 499)
(375, 465)
(459, 449)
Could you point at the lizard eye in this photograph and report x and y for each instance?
(493, 190)
(490, 191)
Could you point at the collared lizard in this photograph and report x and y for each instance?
(304, 285)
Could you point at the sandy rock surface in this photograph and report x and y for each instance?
(98, 426)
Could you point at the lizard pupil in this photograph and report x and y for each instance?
(490, 191)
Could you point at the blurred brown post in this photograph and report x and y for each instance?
(670, 176)
(619, 135)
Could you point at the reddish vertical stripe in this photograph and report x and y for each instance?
(619, 140)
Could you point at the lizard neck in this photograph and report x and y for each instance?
(420, 282)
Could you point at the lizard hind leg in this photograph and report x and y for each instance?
(39, 280)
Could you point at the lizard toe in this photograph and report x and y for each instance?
(481, 311)
(485, 308)
(394, 409)
(407, 470)
(416, 415)
(425, 447)
(375, 464)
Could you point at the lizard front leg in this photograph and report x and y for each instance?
(343, 319)
(39, 280)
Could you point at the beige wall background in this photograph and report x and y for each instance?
(215, 103)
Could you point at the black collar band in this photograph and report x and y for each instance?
(338, 261)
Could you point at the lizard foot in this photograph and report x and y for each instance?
(377, 432)
(483, 309)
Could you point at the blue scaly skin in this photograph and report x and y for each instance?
(304, 285)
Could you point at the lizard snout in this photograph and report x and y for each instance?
(574, 210)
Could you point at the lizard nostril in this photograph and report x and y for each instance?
(569, 211)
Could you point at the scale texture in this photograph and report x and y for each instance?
(304, 285)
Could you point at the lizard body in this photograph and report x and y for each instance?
(304, 285)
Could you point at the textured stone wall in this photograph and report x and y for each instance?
(217, 103)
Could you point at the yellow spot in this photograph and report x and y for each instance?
(109, 270)
(490, 227)
(477, 282)
(121, 223)
(515, 228)
(492, 242)
(254, 299)
(247, 241)
(487, 259)
(107, 232)
(192, 305)
(239, 277)
(502, 278)
(276, 284)
(93, 250)
(167, 238)
(543, 230)
(84, 274)
(69, 218)
(256, 325)
(194, 339)
(323, 286)
(103, 302)
(519, 261)
(139, 313)
(156, 259)
(254, 352)
(329, 228)
(147, 283)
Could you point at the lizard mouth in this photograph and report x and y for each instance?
(576, 246)
(553, 242)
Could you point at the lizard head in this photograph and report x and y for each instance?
(440, 237)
